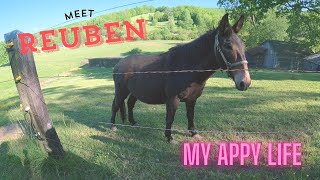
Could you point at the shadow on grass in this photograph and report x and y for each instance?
(7, 105)
(152, 163)
(29, 167)
(134, 151)
(73, 167)
(10, 163)
(94, 72)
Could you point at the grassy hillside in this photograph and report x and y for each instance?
(159, 27)
(80, 106)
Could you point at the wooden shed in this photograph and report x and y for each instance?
(278, 54)
(312, 63)
(255, 56)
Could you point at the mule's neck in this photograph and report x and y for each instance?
(197, 54)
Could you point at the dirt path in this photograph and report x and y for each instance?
(10, 132)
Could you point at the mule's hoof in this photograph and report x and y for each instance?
(193, 132)
(174, 142)
(113, 128)
(135, 124)
(197, 136)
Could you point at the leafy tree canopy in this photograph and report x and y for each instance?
(303, 17)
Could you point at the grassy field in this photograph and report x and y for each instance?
(80, 107)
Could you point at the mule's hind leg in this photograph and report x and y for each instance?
(131, 102)
(121, 93)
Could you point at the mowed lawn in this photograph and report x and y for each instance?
(80, 106)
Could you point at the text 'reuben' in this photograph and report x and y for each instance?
(93, 36)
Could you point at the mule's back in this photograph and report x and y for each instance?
(136, 63)
(134, 73)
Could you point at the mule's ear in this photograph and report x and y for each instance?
(238, 25)
(224, 26)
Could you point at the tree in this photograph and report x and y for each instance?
(303, 16)
(304, 28)
(150, 17)
(165, 33)
(154, 21)
(157, 16)
(257, 8)
(154, 35)
(171, 23)
(186, 20)
(133, 51)
(162, 8)
(269, 28)
(198, 20)
(183, 35)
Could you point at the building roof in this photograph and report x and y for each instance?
(313, 57)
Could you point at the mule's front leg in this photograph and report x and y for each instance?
(190, 115)
(171, 107)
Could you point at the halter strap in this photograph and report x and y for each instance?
(228, 64)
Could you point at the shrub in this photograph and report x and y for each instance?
(133, 51)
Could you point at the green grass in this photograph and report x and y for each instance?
(80, 106)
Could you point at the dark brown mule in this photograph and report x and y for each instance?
(151, 79)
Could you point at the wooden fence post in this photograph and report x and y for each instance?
(31, 97)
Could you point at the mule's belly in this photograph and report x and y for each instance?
(191, 93)
(148, 88)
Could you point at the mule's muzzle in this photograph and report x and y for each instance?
(242, 80)
(243, 85)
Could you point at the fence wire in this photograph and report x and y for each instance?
(208, 131)
(252, 71)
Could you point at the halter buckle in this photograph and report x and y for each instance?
(228, 64)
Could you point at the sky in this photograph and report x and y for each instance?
(34, 16)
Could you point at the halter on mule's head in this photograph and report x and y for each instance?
(229, 51)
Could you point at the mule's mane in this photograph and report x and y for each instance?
(186, 45)
(193, 52)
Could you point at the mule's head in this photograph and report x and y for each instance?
(230, 52)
